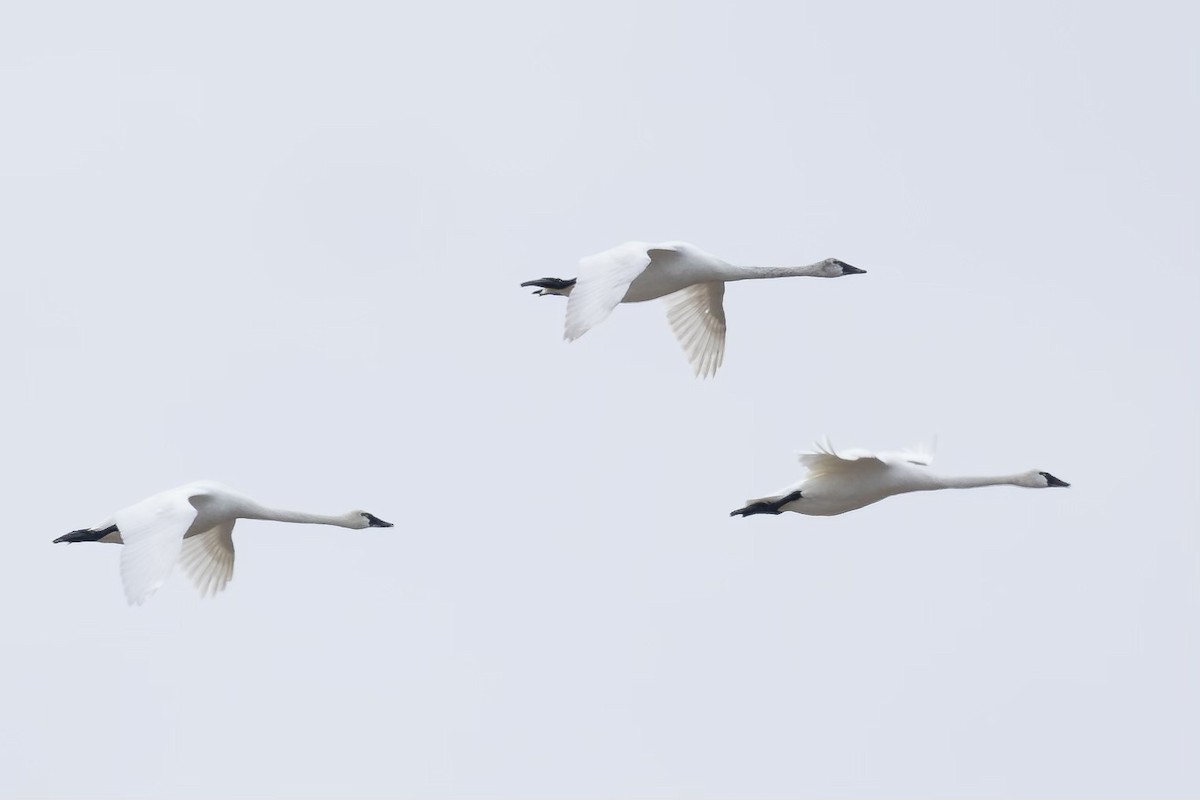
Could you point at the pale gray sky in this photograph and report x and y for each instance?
(278, 245)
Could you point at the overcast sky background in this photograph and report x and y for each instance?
(278, 245)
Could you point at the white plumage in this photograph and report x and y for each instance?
(836, 482)
(692, 280)
(191, 525)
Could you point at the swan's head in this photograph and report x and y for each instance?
(833, 268)
(1036, 479)
(365, 519)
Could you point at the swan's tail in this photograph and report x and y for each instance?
(767, 505)
(86, 535)
(552, 285)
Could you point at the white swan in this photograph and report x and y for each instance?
(692, 281)
(841, 482)
(191, 524)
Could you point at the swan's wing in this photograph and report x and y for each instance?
(826, 460)
(697, 317)
(153, 533)
(602, 281)
(207, 558)
(920, 454)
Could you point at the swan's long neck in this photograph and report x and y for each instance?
(752, 273)
(283, 515)
(943, 482)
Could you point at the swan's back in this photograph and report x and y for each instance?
(215, 501)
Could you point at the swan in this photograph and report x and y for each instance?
(839, 482)
(191, 524)
(692, 280)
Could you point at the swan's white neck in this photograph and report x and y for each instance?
(752, 273)
(944, 482)
(283, 515)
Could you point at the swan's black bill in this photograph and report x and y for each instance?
(375, 522)
(1053, 481)
(849, 270)
(85, 535)
(767, 506)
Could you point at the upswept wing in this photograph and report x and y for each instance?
(153, 534)
(825, 460)
(697, 317)
(600, 285)
(207, 558)
(920, 454)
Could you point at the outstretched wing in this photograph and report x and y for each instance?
(207, 558)
(600, 285)
(153, 534)
(697, 318)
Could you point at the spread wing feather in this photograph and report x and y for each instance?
(207, 558)
(697, 317)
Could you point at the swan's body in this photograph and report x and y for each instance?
(191, 524)
(840, 482)
(692, 280)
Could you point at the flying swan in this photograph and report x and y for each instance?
(840, 482)
(191, 524)
(692, 281)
